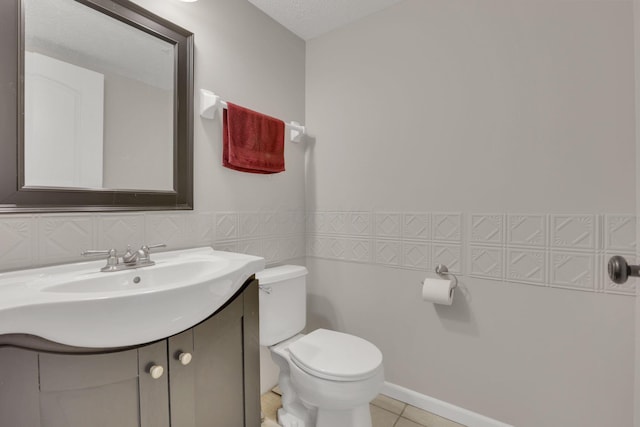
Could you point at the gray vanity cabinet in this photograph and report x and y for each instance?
(217, 385)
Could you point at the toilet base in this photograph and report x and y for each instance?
(356, 417)
(287, 420)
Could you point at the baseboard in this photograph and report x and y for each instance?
(438, 407)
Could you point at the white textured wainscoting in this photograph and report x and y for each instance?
(33, 240)
(556, 250)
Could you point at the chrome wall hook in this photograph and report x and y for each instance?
(442, 270)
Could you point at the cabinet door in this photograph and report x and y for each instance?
(154, 392)
(97, 390)
(182, 379)
(104, 390)
(219, 365)
(19, 388)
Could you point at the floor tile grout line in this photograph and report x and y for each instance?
(385, 409)
(398, 418)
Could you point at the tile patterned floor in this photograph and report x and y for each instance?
(385, 412)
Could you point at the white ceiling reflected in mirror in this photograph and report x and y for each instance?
(99, 101)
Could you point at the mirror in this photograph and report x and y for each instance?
(99, 103)
(104, 108)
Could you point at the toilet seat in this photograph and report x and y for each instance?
(335, 356)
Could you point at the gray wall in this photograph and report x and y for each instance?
(138, 135)
(510, 127)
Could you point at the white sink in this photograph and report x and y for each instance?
(77, 305)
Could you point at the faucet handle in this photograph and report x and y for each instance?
(112, 257)
(146, 249)
(159, 245)
(91, 252)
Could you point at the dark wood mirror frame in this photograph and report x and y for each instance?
(14, 197)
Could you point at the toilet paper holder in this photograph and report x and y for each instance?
(443, 270)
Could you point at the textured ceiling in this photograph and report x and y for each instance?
(75, 33)
(312, 18)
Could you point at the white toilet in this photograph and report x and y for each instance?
(327, 378)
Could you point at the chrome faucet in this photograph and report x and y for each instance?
(137, 259)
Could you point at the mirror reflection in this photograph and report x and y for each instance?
(98, 102)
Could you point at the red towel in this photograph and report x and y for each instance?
(252, 142)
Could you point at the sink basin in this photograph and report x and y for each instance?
(77, 305)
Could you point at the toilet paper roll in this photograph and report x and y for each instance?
(438, 291)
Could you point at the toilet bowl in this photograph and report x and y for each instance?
(327, 378)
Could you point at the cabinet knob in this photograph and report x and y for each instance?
(185, 358)
(156, 371)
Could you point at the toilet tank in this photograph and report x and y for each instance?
(283, 303)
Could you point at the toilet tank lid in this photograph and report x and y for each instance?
(281, 273)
